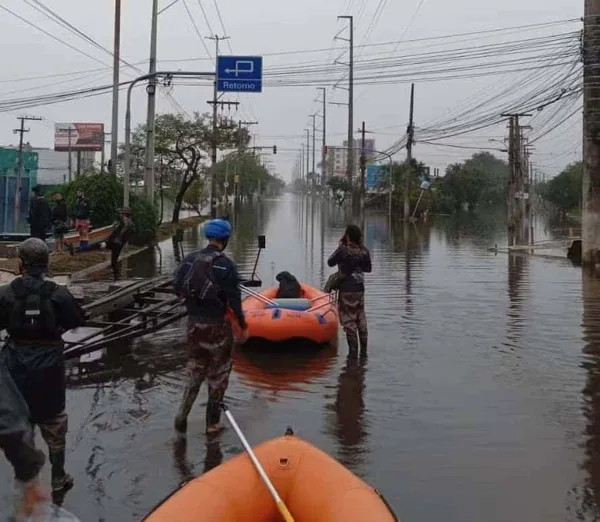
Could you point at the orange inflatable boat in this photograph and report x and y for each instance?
(313, 486)
(313, 316)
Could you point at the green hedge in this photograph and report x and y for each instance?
(105, 195)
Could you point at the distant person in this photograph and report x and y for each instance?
(208, 280)
(36, 312)
(59, 222)
(353, 261)
(40, 216)
(81, 213)
(122, 231)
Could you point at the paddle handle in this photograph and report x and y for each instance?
(287, 516)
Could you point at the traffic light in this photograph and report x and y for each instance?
(325, 149)
(274, 149)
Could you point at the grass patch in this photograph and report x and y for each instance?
(167, 230)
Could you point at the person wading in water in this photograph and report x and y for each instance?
(353, 261)
(208, 280)
(36, 312)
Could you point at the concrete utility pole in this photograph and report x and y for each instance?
(324, 145)
(590, 232)
(215, 144)
(350, 160)
(115, 101)
(103, 154)
(18, 193)
(151, 90)
(410, 138)
(363, 164)
(314, 147)
(302, 161)
(307, 154)
(70, 133)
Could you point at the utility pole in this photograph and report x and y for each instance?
(21, 131)
(324, 145)
(115, 101)
(151, 90)
(350, 160)
(363, 164)
(70, 133)
(590, 232)
(103, 156)
(307, 154)
(215, 144)
(410, 135)
(314, 167)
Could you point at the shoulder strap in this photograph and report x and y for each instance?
(48, 288)
(18, 287)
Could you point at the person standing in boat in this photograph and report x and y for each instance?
(208, 281)
(353, 261)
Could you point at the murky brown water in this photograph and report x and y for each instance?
(479, 399)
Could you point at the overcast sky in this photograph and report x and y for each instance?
(264, 27)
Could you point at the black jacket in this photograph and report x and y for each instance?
(59, 212)
(353, 262)
(81, 209)
(227, 278)
(40, 217)
(39, 371)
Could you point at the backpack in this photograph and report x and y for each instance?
(200, 282)
(33, 317)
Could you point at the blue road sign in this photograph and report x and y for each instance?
(239, 74)
(374, 176)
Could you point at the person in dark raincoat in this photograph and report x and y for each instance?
(36, 312)
(353, 261)
(40, 215)
(122, 231)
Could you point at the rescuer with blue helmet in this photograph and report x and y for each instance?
(208, 281)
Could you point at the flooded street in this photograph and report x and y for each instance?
(479, 398)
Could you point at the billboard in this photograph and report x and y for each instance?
(83, 136)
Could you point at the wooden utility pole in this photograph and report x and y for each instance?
(314, 145)
(410, 138)
(70, 154)
(324, 144)
(590, 232)
(115, 95)
(19, 190)
(351, 152)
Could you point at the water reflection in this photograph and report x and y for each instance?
(589, 497)
(213, 456)
(518, 282)
(350, 427)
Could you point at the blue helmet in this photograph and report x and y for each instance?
(217, 229)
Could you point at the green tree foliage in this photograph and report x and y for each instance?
(565, 190)
(183, 147)
(105, 195)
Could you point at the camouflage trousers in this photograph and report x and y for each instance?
(209, 358)
(54, 432)
(351, 307)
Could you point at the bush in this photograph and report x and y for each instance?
(106, 197)
(145, 219)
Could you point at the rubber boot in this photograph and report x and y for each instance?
(363, 342)
(61, 481)
(213, 417)
(189, 397)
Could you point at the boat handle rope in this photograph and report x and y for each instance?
(287, 516)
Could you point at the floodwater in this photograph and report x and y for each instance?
(479, 398)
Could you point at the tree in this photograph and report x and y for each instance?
(252, 174)
(564, 190)
(184, 147)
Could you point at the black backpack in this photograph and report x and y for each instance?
(200, 283)
(33, 317)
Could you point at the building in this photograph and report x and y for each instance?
(337, 158)
(53, 166)
(9, 165)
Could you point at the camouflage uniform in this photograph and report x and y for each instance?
(209, 352)
(351, 307)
